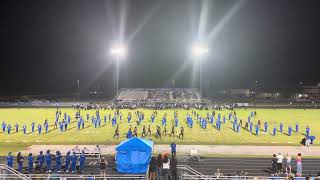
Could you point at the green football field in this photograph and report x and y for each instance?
(196, 135)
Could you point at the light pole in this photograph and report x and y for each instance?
(199, 50)
(118, 51)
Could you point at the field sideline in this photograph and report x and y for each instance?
(195, 135)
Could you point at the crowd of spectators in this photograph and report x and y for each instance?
(185, 94)
(283, 165)
(158, 95)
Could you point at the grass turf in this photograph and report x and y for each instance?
(195, 135)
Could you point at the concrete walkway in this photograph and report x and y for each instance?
(185, 149)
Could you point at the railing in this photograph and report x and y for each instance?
(72, 176)
(7, 172)
(209, 177)
(190, 171)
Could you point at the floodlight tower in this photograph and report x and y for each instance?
(198, 51)
(118, 51)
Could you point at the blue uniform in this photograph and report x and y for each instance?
(9, 128)
(129, 135)
(3, 126)
(250, 127)
(58, 162)
(39, 129)
(48, 161)
(81, 162)
(297, 127)
(24, 129)
(74, 158)
(17, 127)
(30, 164)
(307, 131)
(47, 127)
(274, 131)
(68, 159)
(265, 127)
(79, 124)
(257, 130)
(238, 128)
(281, 127)
(10, 161)
(176, 122)
(40, 160)
(289, 130)
(32, 126)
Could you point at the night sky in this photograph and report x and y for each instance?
(46, 45)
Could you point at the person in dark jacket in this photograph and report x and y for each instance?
(152, 168)
(20, 160)
(274, 165)
(102, 166)
(159, 167)
(173, 168)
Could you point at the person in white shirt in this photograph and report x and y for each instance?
(308, 142)
(288, 164)
(166, 167)
(279, 162)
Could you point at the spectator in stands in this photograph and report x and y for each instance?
(20, 160)
(173, 147)
(274, 165)
(288, 164)
(173, 168)
(159, 167)
(102, 166)
(279, 163)
(166, 168)
(299, 164)
(152, 168)
(10, 160)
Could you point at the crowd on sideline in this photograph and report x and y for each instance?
(163, 167)
(74, 161)
(283, 165)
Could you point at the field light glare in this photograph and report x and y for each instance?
(119, 50)
(199, 49)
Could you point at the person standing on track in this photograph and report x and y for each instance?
(10, 160)
(181, 133)
(173, 147)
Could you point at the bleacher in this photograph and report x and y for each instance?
(159, 95)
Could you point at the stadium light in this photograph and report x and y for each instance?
(119, 51)
(199, 49)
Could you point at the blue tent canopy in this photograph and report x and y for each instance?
(133, 155)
